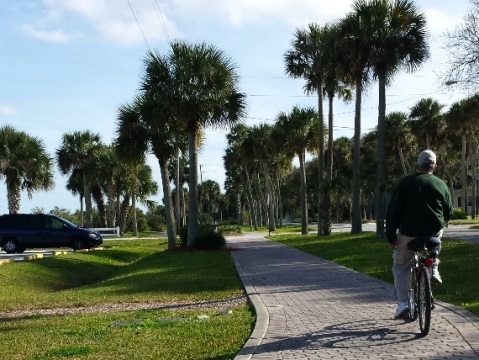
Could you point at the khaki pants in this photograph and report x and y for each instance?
(402, 259)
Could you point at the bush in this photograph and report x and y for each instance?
(230, 229)
(207, 239)
(458, 213)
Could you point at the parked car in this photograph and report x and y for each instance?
(22, 231)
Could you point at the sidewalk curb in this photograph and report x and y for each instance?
(262, 317)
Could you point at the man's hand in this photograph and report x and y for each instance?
(392, 245)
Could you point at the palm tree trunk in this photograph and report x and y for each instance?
(13, 196)
(177, 193)
(320, 154)
(464, 174)
(380, 185)
(88, 206)
(304, 205)
(249, 198)
(474, 181)
(327, 204)
(403, 162)
(192, 190)
(356, 225)
(330, 165)
(270, 197)
(82, 212)
(167, 198)
(111, 205)
(133, 206)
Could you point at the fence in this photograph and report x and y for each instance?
(108, 232)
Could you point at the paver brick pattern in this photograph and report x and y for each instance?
(317, 309)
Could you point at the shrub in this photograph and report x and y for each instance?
(230, 229)
(458, 213)
(207, 239)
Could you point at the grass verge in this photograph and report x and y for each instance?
(370, 255)
(125, 271)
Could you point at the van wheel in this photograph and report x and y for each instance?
(77, 244)
(10, 246)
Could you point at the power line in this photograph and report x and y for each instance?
(138, 23)
(159, 15)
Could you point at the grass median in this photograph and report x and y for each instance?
(126, 272)
(370, 255)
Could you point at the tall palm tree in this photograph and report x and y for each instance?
(305, 60)
(77, 151)
(396, 32)
(24, 164)
(144, 125)
(354, 67)
(299, 133)
(204, 93)
(333, 85)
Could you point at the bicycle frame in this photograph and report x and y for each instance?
(420, 298)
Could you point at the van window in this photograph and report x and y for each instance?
(32, 222)
(54, 223)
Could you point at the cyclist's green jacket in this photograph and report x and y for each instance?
(420, 206)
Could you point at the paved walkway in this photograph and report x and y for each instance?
(310, 308)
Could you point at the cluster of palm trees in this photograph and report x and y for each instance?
(192, 87)
(258, 157)
(95, 174)
(373, 42)
(252, 149)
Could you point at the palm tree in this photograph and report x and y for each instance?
(146, 125)
(75, 185)
(426, 118)
(77, 152)
(260, 142)
(204, 93)
(237, 161)
(305, 60)
(399, 137)
(396, 32)
(353, 67)
(298, 130)
(25, 165)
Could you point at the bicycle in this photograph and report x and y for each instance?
(420, 297)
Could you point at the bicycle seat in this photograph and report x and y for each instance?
(430, 242)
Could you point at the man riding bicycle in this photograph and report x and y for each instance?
(420, 206)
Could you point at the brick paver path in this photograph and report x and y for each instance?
(311, 308)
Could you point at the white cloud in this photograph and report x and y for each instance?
(8, 110)
(438, 21)
(118, 22)
(298, 12)
(58, 36)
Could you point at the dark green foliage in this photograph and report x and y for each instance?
(230, 229)
(458, 213)
(207, 238)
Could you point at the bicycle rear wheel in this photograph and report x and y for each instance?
(412, 294)
(424, 301)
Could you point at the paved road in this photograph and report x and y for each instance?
(310, 308)
(463, 232)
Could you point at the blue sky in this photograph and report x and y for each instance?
(67, 65)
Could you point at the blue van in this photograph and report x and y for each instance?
(19, 232)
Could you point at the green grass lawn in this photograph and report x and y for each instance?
(125, 271)
(370, 255)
